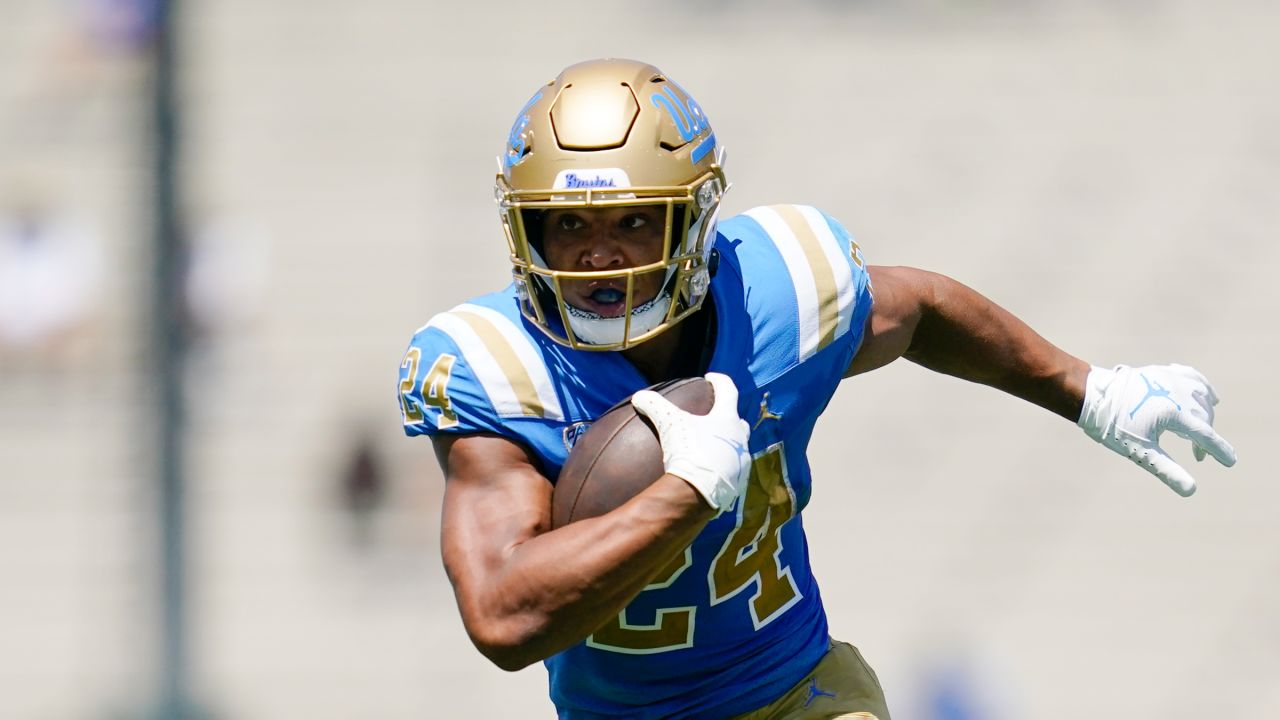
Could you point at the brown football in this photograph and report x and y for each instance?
(619, 455)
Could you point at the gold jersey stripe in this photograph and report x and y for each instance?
(505, 355)
(824, 278)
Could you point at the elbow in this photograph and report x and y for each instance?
(511, 627)
(504, 644)
(507, 657)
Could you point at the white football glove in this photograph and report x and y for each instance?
(1127, 408)
(707, 451)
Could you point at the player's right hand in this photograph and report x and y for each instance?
(707, 451)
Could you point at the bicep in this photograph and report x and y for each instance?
(900, 295)
(494, 499)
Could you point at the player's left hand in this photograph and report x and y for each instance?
(1127, 408)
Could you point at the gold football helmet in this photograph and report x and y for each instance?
(610, 133)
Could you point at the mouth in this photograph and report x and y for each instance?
(606, 301)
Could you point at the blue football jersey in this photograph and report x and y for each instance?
(736, 620)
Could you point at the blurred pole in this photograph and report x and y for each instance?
(168, 350)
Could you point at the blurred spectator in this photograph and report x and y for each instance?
(227, 275)
(363, 488)
(954, 684)
(50, 270)
(950, 695)
(79, 71)
(123, 24)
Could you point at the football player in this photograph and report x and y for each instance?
(694, 599)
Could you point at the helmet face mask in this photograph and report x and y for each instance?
(611, 134)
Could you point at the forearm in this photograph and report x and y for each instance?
(962, 333)
(553, 589)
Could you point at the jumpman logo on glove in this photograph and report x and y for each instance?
(1156, 390)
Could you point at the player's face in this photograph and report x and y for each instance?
(616, 238)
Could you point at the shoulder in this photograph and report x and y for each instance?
(806, 288)
(812, 245)
(473, 368)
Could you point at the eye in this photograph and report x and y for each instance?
(634, 221)
(569, 221)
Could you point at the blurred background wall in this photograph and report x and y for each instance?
(1108, 171)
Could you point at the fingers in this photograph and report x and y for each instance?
(726, 394)
(1158, 463)
(1200, 406)
(659, 409)
(1198, 378)
(1198, 427)
(1205, 398)
(1205, 438)
(653, 406)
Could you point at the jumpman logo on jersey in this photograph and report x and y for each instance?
(765, 412)
(815, 692)
(1154, 390)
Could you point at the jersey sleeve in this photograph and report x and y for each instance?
(438, 391)
(471, 370)
(810, 291)
(860, 290)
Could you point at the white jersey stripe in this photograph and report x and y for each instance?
(824, 278)
(802, 280)
(528, 356)
(482, 362)
(840, 267)
(503, 360)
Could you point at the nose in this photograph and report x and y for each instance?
(601, 252)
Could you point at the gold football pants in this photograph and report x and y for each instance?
(842, 685)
